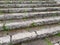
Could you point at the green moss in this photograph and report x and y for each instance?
(31, 1)
(57, 34)
(55, 14)
(5, 28)
(33, 24)
(25, 18)
(1, 12)
(48, 41)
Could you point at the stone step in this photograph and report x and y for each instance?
(34, 42)
(29, 15)
(27, 2)
(55, 39)
(22, 20)
(21, 10)
(27, 5)
(33, 22)
(30, 29)
(20, 37)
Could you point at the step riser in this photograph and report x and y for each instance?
(33, 23)
(29, 15)
(27, 2)
(27, 5)
(21, 10)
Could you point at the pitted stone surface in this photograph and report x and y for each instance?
(34, 14)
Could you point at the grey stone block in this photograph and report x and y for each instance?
(27, 2)
(27, 5)
(20, 37)
(29, 15)
(18, 10)
(29, 23)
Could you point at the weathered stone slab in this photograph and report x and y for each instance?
(30, 35)
(15, 39)
(58, 1)
(27, 5)
(55, 39)
(18, 10)
(29, 23)
(29, 15)
(27, 2)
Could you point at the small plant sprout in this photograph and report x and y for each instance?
(33, 24)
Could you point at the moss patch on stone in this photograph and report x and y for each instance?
(48, 41)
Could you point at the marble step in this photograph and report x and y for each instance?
(33, 22)
(27, 2)
(21, 10)
(27, 5)
(20, 37)
(29, 15)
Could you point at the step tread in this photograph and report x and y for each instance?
(33, 22)
(29, 15)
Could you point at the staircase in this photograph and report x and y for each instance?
(29, 22)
